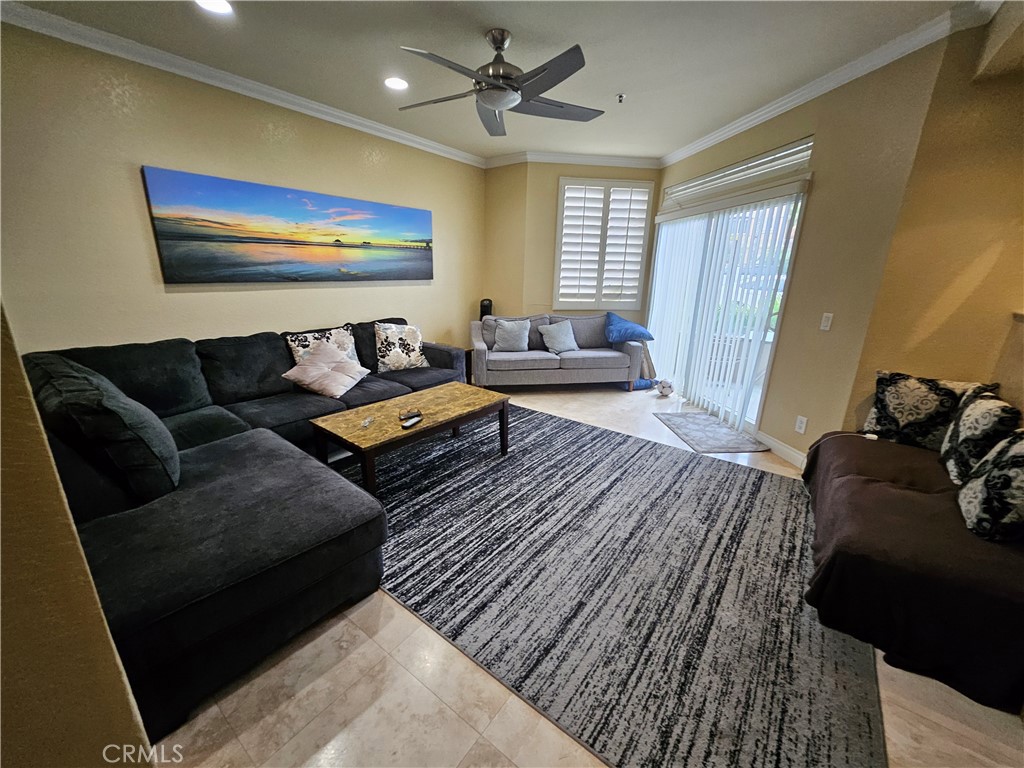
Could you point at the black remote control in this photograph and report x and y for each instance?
(409, 423)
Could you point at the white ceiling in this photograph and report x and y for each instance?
(687, 68)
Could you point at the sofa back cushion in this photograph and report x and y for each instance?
(489, 325)
(240, 368)
(87, 410)
(165, 376)
(587, 329)
(365, 335)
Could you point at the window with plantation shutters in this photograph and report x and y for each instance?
(602, 243)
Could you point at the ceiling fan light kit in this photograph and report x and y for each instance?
(499, 85)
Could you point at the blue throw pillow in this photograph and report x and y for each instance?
(618, 329)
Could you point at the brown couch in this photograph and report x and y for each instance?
(895, 566)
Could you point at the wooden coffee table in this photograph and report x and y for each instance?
(371, 430)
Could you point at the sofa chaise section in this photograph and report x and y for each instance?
(258, 542)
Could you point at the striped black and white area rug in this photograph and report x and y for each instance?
(646, 598)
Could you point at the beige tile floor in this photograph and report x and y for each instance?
(376, 686)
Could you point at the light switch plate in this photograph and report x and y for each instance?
(826, 322)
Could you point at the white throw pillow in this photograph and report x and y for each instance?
(302, 344)
(327, 371)
(399, 347)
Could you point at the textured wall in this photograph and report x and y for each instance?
(955, 272)
(64, 694)
(865, 137)
(79, 260)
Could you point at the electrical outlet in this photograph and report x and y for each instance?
(801, 424)
(826, 322)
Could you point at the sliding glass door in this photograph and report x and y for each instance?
(716, 296)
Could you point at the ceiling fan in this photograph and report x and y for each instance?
(499, 85)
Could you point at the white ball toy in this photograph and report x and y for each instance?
(665, 388)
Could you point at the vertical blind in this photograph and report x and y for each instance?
(717, 278)
(602, 241)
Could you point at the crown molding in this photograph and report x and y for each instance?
(961, 16)
(105, 42)
(562, 158)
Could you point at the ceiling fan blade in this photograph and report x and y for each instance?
(538, 106)
(492, 120)
(547, 76)
(438, 101)
(455, 67)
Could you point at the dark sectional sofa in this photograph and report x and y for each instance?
(214, 550)
(895, 566)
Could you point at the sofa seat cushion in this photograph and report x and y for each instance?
(421, 378)
(288, 414)
(373, 389)
(165, 376)
(203, 426)
(594, 358)
(239, 368)
(254, 522)
(521, 361)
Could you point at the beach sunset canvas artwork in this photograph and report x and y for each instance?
(213, 230)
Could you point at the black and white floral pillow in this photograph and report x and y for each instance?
(916, 411)
(992, 499)
(981, 421)
(399, 347)
(301, 344)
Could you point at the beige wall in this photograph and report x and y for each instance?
(522, 223)
(505, 227)
(955, 272)
(79, 260)
(865, 134)
(64, 693)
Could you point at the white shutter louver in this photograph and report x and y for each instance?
(602, 244)
(625, 244)
(580, 254)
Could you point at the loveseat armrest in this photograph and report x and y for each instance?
(446, 356)
(635, 350)
(476, 336)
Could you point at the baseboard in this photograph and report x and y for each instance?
(788, 452)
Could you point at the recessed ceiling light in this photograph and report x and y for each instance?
(396, 84)
(215, 6)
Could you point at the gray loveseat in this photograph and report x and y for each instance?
(212, 535)
(597, 360)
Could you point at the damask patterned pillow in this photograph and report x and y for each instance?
(981, 421)
(992, 499)
(301, 344)
(914, 410)
(399, 347)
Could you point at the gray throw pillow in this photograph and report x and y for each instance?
(558, 337)
(511, 335)
(79, 403)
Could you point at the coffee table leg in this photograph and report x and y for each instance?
(455, 431)
(369, 473)
(503, 427)
(320, 445)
